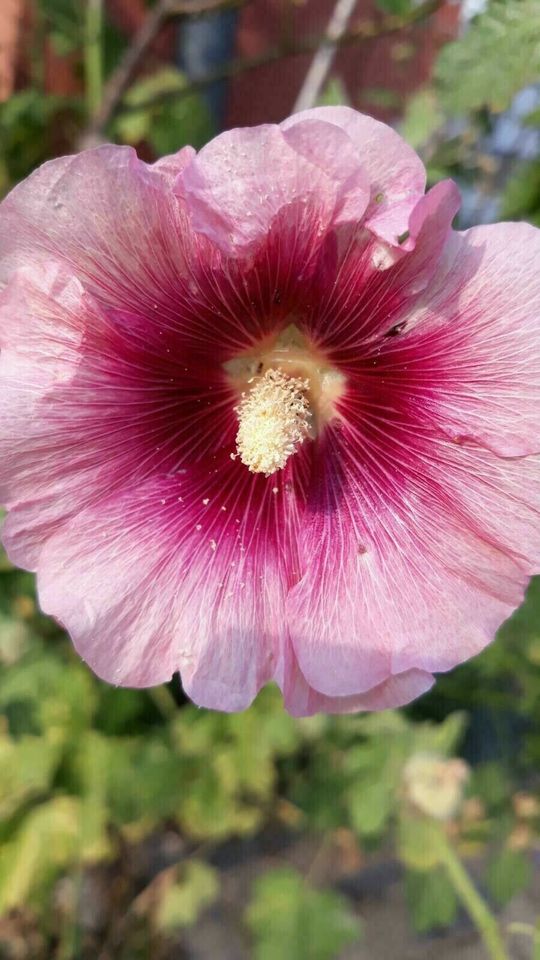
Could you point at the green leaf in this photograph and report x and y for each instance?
(522, 192)
(334, 94)
(291, 921)
(14, 637)
(158, 772)
(440, 738)
(27, 766)
(423, 117)
(160, 83)
(532, 119)
(399, 8)
(431, 899)
(497, 57)
(59, 698)
(381, 98)
(491, 784)
(375, 770)
(45, 843)
(94, 758)
(65, 23)
(184, 900)
(133, 126)
(508, 874)
(418, 842)
(152, 112)
(28, 131)
(370, 806)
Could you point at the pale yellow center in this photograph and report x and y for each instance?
(287, 392)
(274, 419)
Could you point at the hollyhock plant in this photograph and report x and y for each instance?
(266, 416)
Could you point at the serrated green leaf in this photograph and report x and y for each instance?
(291, 921)
(497, 57)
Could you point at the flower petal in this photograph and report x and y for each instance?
(42, 316)
(239, 183)
(301, 700)
(178, 573)
(92, 400)
(476, 341)
(396, 173)
(109, 218)
(407, 566)
(365, 289)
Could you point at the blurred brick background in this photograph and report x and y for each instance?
(377, 74)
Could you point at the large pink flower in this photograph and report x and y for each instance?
(265, 416)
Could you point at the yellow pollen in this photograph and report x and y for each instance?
(274, 419)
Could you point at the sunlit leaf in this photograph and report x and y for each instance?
(497, 57)
(45, 843)
(423, 117)
(195, 887)
(291, 921)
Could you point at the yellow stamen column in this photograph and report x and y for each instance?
(274, 419)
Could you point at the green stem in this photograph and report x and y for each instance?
(93, 55)
(163, 701)
(474, 904)
(536, 941)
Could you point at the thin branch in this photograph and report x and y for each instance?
(93, 57)
(121, 77)
(324, 57)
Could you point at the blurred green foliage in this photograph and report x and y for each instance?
(90, 771)
(497, 57)
(150, 112)
(93, 776)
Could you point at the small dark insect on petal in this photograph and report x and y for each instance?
(403, 237)
(395, 330)
(277, 297)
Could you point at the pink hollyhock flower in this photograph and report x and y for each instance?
(265, 416)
